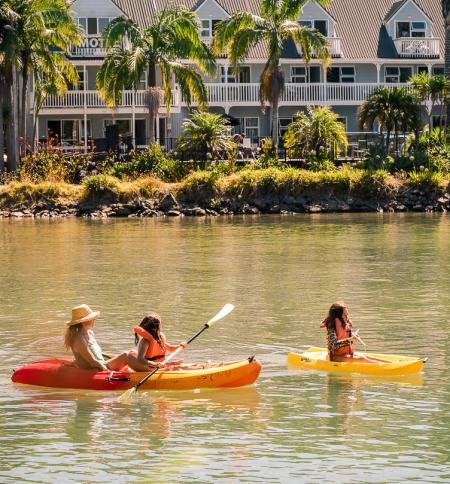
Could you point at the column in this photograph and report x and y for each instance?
(133, 118)
(85, 110)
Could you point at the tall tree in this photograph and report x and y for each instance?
(172, 36)
(34, 42)
(276, 24)
(446, 14)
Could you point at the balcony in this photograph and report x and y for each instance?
(335, 46)
(417, 47)
(92, 46)
(78, 101)
(228, 95)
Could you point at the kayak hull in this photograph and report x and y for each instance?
(58, 373)
(315, 359)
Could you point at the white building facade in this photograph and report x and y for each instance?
(381, 42)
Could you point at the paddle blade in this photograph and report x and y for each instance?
(221, 314)
(127, 397)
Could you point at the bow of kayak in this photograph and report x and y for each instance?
(57, 373)
(316, 359)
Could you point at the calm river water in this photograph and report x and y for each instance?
(282, 273)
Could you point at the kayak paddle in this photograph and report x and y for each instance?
(128, 395)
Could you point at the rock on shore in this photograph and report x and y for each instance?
(408, 200)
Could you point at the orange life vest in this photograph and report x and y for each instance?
(342, 333)
(155, 351)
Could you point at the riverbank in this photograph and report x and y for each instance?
(211, 193)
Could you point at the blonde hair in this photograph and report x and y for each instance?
(71, 333)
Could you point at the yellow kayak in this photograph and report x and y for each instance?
(316, 359)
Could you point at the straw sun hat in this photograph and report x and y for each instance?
(82, 314)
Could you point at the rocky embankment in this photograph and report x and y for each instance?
(176, 205)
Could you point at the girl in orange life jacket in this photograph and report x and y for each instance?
(340, 336)
(151, 345)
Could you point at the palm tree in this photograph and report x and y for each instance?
(277, 23)
(317, 129)
(42, 30)
(431, 90)
(172, 35)
(206, 135)
(392, 110)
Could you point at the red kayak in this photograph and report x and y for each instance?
(58, 373)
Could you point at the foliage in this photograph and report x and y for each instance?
(426, 179)
(376, 157)
(206, 136)
(316, 133)
(56, 165)
(267, 156)
(171, 36)
(101, 184)
(394, 110)
(25, 192)
(276, 24)
(152, 161)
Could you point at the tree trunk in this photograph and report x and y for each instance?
(274, 109)
(23, 113)
(2, 139)
(151, 114)
(12, 122)
(447, 60)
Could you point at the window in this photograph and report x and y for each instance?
(341, 74)
(283, 124)
(298, 75)
(438, 71)
(397, 74)
(228, 76)
(94, 25)
(438, 122)
(69, 131)
(251, 129)
(208, 27)
(319, 25)
(411, 29)
(303, 74)
(124, 125)
(81, 83)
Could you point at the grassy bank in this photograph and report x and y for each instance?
(203, 187)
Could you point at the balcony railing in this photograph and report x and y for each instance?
(91, 99)
(417, 47)
(294, 93)
(92, 46)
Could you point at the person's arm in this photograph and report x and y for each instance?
(81, 347)
(333, 342)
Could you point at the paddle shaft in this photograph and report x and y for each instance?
(166, 360)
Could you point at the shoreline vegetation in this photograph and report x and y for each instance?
(218, 192)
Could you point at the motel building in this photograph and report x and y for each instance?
(373, 43)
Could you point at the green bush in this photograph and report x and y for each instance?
(103, 185)
(152, 162)
(58, 166)
(426, 179)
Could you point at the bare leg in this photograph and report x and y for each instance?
(136, 364)
(359, 358)
(118, 362)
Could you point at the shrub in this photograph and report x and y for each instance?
(426, 179)
(152, 162)
(103, 185)
(58, 166)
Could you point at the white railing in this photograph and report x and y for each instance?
(92, 46)
(335, 46)
(417, 47)
(91, 99)
(241, 94)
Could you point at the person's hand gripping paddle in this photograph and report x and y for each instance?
(128, 395)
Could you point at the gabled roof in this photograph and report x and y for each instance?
(399, 5)
(359, 23)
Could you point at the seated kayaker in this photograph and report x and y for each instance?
(152, 345)
(340, 336)
(80, 339)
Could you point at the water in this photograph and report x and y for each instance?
(281, 272)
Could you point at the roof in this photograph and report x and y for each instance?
(359, 23)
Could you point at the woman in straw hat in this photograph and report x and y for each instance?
(81, 340)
